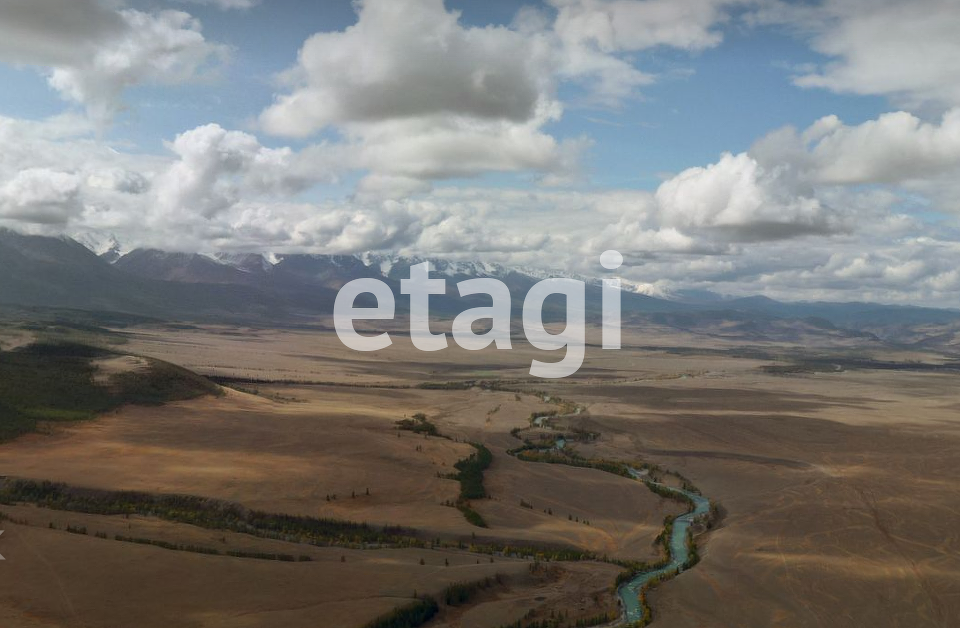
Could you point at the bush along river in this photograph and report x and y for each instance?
(632, 592)
(679, 544)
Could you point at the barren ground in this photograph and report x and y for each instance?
(841, 490)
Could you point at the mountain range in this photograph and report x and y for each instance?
(97, 275)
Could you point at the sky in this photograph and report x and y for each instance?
(797, 150)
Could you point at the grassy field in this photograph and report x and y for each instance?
(56, 381)
(839, 488)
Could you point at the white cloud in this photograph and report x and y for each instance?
(166, 47)
(418, 96)
(594, 36)
(41, 196)
(897, 150)
(742, 200)
(831, 211)
(119, 180)
(326, 227)
(443, 149)
(630, 25)
(630, 236)
(233, 195)
(919, 268)
(904, 50)
(408, 59)
(461, 234)
(69, 176)
(91, 51)
(895, 147)
(215, 168)
(226, 5)
(53, 32)
(379, 186)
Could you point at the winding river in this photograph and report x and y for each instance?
(629, 592)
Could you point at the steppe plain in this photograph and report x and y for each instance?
(839, 488)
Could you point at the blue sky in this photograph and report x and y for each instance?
(703, 103)
(800, 150)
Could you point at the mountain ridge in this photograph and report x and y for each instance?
(62, 272)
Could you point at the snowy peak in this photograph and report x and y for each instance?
(180, 267)
(244, 262)
(327, 270)
(104, 245)
(398, 266)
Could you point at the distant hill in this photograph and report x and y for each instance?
(282, 289)
(40, 271)
(181, 267)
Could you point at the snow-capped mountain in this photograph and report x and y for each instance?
(328, 270)
(397, 266)
(104, 245)
(245, 262)
(62, 273)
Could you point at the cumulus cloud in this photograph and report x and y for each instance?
(896, 147)
(54, 173)
(796, 183)
(325, 227)
(896, 150)
(915, 269)
(42, 196)
(53, 32)
(229, 192)
(409, 97)
(629, 25)
(459, 234)
(903, 50)
(92, 51)
(410, 59)
(167, 47)
(418, 96)
(632, 237)
(739, 197)
(443, 149)
(595, 34)
(215, 167)
(226, 5)
(119, 180)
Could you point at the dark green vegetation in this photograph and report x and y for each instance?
(470, 475)
(221, 515)
(419, 425)
(556, 620)
(410, 616)
(233, 382)
(426, 608)
(472, 516)
(199, 549)
(55, 382)
(51, 382)
(531, 452)
(465, 385)
(198, 511)
(839, 364)
(460, 593)
(573, 460)
(667, 493)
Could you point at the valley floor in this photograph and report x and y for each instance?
(840, 491)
